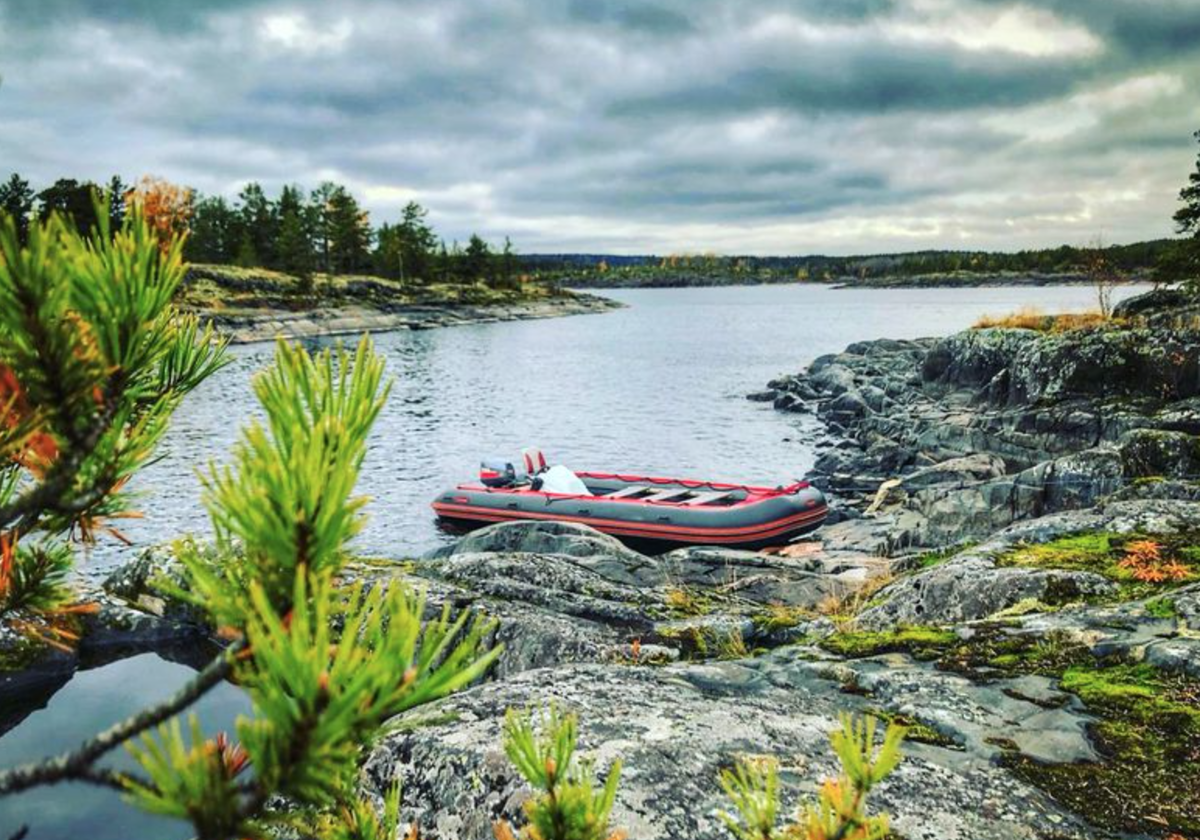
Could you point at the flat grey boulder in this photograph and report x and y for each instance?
(607, 555)
(674, 728)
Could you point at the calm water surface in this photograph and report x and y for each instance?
(657, 388)
(91, 701)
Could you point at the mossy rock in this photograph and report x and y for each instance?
(918, 641)
(1148, 733)
(1111, 555)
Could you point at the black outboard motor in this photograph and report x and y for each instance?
(497, 472)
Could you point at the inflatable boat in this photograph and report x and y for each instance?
(662, 510)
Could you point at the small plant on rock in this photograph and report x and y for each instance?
(568, 806)
(840, 812)
(1145, 562)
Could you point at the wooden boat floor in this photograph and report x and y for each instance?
(626, 491)
(707, 498)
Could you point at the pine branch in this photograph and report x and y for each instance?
(49, 494)
(78, 763)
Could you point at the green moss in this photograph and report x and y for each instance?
(916, 731)
(1161, 608)
(1148, 733)
(682, 602)
(993, 653)
(411, 723)
(1101, 553)
(19, 655)
(404, 566)
(922, 642)
(938, 556)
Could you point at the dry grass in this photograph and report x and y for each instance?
(683, 602)
(1031, 318)
(843, 608)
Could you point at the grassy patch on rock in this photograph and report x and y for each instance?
(1140, 565)
(1148, 732)
(776, 617)
(1147, 721)
(916, 731)
(919, 641)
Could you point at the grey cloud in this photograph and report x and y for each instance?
(639, 121)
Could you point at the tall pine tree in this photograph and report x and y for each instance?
(117, 193)
(16, 201)
(294, 249)
(259, 227)
(349, 232)
(71, 200)
(214, 232)
(1182, 261)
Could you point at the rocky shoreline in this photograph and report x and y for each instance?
(1014, 573)
(269, 324)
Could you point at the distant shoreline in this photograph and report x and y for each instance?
(844, 283)
(269, 324)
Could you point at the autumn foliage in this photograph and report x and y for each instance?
(1146, 561)
(166, 207)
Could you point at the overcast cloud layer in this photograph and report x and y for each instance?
(764, 126)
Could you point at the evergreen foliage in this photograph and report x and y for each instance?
(1182, 261)
(72, 201)
(16, 202)
(93, 359)
(567, 805)
(840, 812)
(325, 231)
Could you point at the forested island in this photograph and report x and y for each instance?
(305, 249)
(1066, 264)
(306, 263)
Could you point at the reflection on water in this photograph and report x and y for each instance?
(658, 387)
(90, 702)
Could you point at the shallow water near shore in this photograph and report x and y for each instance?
(658, 387)
(38, 726)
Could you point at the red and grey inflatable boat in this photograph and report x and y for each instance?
(664, 510)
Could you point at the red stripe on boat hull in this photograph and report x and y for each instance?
(805, 520)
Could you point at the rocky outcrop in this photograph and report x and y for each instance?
(269, 324)
(971, 585)
(950, 439)
(675, 728)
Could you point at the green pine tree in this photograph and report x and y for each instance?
(1181, 262)
(16, 201)
(94, 358)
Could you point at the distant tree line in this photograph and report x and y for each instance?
(325, 230)
(1063, 259)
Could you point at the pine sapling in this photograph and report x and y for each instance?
(840, 811)
(567, 805)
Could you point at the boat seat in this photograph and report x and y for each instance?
(625, 492)
(707, 498)
(667, 495)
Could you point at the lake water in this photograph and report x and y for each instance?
(657, 388)
(91, 701)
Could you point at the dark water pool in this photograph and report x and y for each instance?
(53, 721)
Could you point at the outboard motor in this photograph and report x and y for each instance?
(497, 472)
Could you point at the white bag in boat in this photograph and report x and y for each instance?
(559, 479)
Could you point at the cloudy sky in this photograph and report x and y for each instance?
(764, 126)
